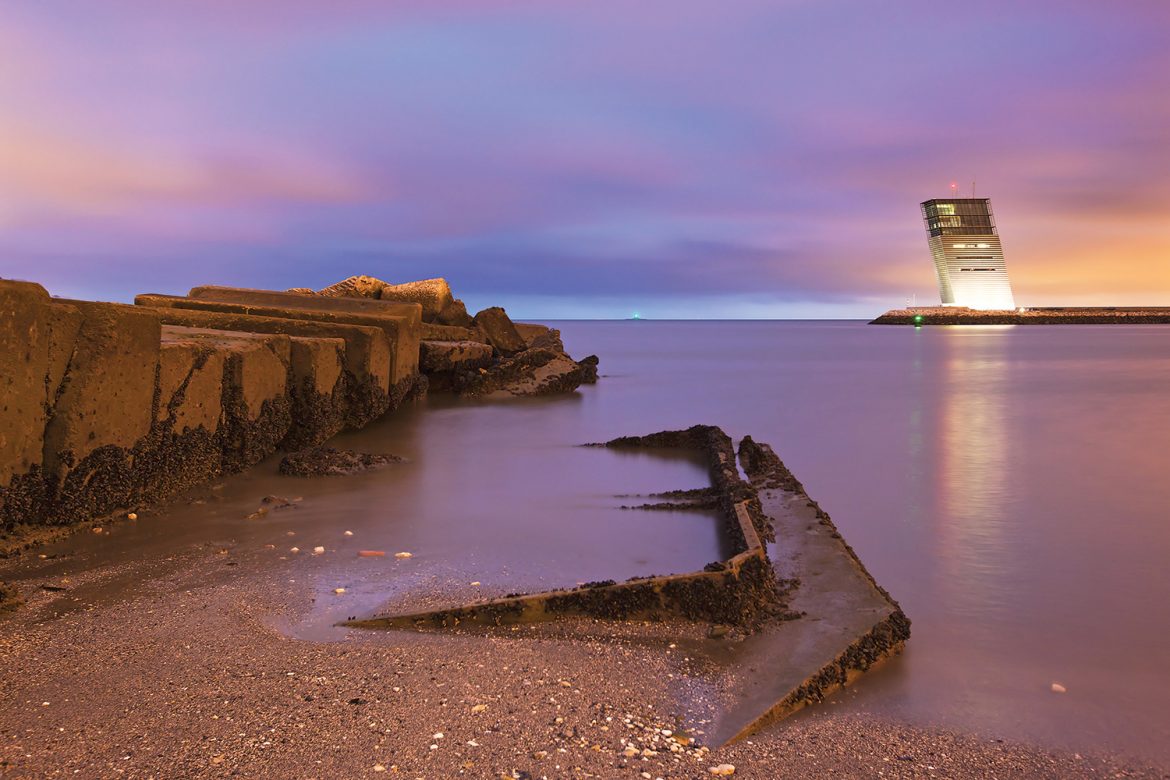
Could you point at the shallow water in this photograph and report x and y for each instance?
(1005, 484)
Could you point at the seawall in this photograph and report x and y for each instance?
(108, 407)
(1053, 315)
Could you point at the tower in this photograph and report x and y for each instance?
(967, 254)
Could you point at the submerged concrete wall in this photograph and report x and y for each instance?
(108, 406)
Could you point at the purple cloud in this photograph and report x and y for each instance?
(771, 154)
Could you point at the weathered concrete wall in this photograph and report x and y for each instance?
(37, 343)
(368, 388)
(108, 406)
(400, 321)
(104, 408)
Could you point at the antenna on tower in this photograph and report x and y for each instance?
(972, 188)
(954, 189)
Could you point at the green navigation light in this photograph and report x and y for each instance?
(918, 320)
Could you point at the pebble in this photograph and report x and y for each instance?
(339, 591)
(379, 768)
(318, 551)
(403, 555)
(478, 708)
(371, 554)
(349, 533)
(1058, 688)
(722, 769)
(294, 550)
(132, 516)
(475, 584)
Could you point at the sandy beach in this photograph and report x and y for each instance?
(184, 666)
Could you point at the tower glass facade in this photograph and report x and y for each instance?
(967, 254)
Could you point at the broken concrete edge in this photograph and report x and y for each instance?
(400, 322)
(748, 528)
(765, 470)
(719, 451)
(885, 639)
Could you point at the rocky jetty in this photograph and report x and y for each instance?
(108, 407)
(484, 355)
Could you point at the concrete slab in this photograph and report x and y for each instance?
(318, 391)
(104, 409)
(190, 382)
(433, 295)
(400, 322)
(409, 311)
(500, 331)
(367, 351)
(256, 399)
(847, 624)
(36, 344)
(24, 373)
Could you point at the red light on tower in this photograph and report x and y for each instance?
(954, 189)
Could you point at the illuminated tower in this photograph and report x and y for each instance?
(967, 253)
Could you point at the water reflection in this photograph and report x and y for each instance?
(974, 464)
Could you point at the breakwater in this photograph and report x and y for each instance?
(1052, 315)
(108, 407)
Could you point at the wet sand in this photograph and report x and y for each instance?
(192, 672)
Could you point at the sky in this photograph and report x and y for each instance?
(677, 159)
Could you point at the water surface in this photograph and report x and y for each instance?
(1005, 484)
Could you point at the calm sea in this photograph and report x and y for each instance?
(1008, 485)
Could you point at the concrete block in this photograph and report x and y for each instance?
(367, 349)
(36, 344)
(318, 391)
(500, 331)
(434, 295)
(190, 382)
(540, 336)
(317, 361)
(354, 287)
(400, 321)
(256, 404)
(455, 313)
(24, 372)
(103, 411)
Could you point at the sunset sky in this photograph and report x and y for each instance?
(679, 159)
